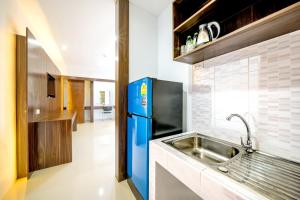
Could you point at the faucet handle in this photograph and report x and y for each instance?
(248, 147)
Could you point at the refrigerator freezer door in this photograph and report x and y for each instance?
(141, 134)
(140, 97)
(167, 108)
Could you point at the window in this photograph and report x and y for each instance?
(102, 97)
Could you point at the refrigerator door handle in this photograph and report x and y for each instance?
(136, 137)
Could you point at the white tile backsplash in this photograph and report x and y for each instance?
(260, 82)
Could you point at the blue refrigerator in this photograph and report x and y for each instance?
(154, 111)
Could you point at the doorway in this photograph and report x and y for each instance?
(75, 98)
(104, 100)
(92, 99)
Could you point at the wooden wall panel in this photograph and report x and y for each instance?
(37, 86)
(66, 142)
(50, 144)
(76, 98)
(54, 103)
(37, 146)
(43, 147)
(31, 147)
(21, 99)
(122, 79)
(39, 64)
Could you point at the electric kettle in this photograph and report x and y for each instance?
(206, 32)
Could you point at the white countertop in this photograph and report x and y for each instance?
(240, 189)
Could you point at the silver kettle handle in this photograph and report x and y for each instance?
(217, 25)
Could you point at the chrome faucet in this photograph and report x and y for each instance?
(248, 145)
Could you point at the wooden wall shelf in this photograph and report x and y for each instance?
(194, 18)
(278, 23)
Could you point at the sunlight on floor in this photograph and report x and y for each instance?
(89, 176)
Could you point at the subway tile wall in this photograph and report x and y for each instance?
(260, 82)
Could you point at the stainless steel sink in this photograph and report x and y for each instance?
(273, 177)
(204, 149)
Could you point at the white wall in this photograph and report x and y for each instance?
(142, 43)
(260, 82)
(167, 68)
(7, 103)
(150, 52)
(109, 89)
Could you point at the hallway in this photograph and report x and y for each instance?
(89, 176)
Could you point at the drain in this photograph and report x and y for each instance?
(223, 169)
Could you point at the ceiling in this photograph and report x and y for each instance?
(155, 7)
(85, 32)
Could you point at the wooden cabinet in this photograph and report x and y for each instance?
(243, 23)
(50, 139)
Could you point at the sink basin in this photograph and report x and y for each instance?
(271, 176)
(204, 149)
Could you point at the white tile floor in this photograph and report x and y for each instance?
(90, 175)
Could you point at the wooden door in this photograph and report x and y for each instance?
(76, 98)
